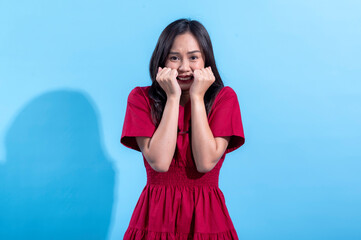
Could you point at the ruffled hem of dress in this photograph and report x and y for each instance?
(143, 234)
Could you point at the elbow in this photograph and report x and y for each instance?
(160, 167)
(157, 165)
(207, 165)
(204, 168)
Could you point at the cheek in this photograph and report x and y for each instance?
(169, 64)
(199, 65)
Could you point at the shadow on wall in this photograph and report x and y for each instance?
(57, 182)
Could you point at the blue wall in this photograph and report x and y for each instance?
(67, 67)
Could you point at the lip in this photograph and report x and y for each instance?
(185, 81)
(184, 76)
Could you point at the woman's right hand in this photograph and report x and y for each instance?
(167, 79)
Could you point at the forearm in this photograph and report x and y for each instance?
(163, 142)
(203, 143)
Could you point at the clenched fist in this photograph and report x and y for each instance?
(167, 79)
(203, 79)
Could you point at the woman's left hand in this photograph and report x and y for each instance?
(202, 80)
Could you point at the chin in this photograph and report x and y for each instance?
(185, 86)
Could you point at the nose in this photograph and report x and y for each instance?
(184, 66)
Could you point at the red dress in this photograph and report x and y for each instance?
(182, 203)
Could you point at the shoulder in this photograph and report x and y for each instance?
(226, 93)
(226, 98)
(139, 93)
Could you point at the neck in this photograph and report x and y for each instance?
(184, 98)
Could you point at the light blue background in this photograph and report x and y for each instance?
(67, 67)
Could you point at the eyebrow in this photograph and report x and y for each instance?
(188, 52)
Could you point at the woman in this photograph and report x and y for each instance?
(184, 124)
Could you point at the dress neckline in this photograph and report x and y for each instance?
(185, 105)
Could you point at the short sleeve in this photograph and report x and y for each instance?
(225, 118)
(138, 120)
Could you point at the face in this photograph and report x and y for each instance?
(185, 55)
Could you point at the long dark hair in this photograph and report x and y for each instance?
(158, 59)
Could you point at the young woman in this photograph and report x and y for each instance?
(184, 124)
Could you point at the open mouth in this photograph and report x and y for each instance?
(187, 78)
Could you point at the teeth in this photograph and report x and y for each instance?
(187, 78)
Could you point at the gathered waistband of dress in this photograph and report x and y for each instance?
(183, 176)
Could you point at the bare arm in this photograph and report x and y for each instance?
(159, 149)
(206, 149)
